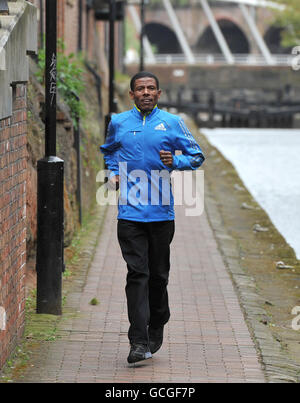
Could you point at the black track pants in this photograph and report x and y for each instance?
(146, 250)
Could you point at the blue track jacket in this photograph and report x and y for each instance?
(132, 151)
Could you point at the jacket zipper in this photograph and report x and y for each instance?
(146, 207)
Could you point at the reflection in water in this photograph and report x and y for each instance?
(267, 161)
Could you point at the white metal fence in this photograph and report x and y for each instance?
(239, 59)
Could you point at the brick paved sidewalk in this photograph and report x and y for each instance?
(206, 339)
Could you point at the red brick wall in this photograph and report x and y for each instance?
(71, 26)
(61, 19)
(68, 17)
(68, 24)
(13, 162)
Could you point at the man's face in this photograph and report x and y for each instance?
(145, 94)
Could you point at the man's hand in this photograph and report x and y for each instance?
(166, 158)
(114, 182)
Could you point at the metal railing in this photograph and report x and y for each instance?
(239, 59)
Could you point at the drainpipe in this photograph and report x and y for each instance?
(80, 8)
(42, 24)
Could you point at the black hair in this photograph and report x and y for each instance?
(143, 74)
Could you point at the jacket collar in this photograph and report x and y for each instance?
(138, 112)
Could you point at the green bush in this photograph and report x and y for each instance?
(289, 20)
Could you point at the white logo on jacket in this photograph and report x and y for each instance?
(161, 126)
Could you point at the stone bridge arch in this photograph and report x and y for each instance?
(162, 37)
(272, 38)
(235, 37)
(194, 23)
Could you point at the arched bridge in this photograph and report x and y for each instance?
(212, 31)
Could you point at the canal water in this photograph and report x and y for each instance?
(268, 162)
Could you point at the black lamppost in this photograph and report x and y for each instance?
(142, 35)
(112, 101)
(50, 210)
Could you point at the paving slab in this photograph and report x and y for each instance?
(206, 340)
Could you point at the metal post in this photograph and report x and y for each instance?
(79, 46)
(41, 24)
(112, 19)
(211, 108)
(137, 23)
(78, 154)
(142, 35)
(51, 64)
(112, 101)
(49, 259)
